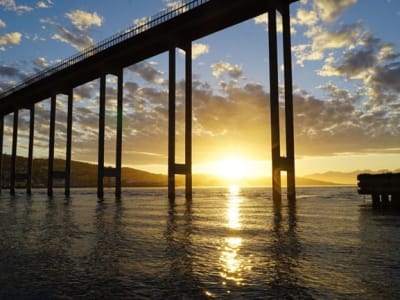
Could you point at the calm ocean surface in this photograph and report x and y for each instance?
(225, 244)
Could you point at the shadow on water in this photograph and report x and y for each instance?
(378, 259)
(181, 282)
(286, 252)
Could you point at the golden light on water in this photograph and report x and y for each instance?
(233, 211)
(231, 263)
(230, 260)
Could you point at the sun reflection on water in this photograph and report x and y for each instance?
(231, 262)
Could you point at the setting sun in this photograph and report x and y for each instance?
(233, 167)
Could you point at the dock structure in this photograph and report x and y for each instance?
(384, 189)
(166, 32)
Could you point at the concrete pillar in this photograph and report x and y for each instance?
(69, 144)
(51, 145)
(171, 123)
(384, 200)
(291, 190)
(376, 201)
(118, 160)
(1, 150)
(188, 120)
(274, 106)
(14, 153)
(102, 112)
(30, 149)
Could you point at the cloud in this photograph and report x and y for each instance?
(77, 40)
(39, 64)
(13, 38)
(2, 24)
(10, 5)
(148, 72)
(322, 40)
(83, 20)
(306, 17)
(12, 72)
(233, 71)
(199, 49)
(77, 36)
(44, 4)
(329, 11)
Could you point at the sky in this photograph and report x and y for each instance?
(346, 78)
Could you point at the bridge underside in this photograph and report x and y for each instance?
(178, 32)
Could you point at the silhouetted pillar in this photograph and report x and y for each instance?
(102, 112)
(30, 149)
(1, 150)
(14, 153)
(51, 145)
(188, 120)
(290, 161)
(69, 144)
(171, 123)
(118, 159)
(274, 106)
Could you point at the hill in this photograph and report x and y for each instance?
(85, 175)
(344, 177)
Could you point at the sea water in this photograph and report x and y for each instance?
(227, 243)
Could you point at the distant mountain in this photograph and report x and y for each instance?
(85, 175)
(344, 177)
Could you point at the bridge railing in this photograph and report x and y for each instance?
(159, 18)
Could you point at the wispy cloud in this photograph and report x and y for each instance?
(219, 68)
(10, 5)
(44, 4)
(78, 35)
(329, 10)
(83, 20)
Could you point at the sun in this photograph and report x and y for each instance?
(233, 168)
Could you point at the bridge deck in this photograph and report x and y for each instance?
(208, 17)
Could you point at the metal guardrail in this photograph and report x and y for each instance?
(159, 18)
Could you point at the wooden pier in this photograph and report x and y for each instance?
(384, 189)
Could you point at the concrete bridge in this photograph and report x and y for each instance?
(164, 32)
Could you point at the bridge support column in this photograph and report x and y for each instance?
(188, 120)
(280, 163)
(69, 144)
(1, 150)
(102, 112)
(14, 153)
(50, 169)
(186, 168)
(118, 158)
(110, 172)
(30, 149)
(290, 159)
(171, 122)
(274, 105)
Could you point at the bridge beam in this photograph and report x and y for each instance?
(30, 149)
(14, 153)
(68, 152)
(1, 150)
(102, 112)
(50, 169)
